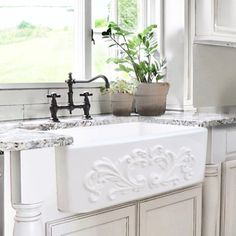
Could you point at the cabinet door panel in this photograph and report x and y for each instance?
(120, 222)
(178, 214)
(102, 229)
(228, 210)
(226, 14)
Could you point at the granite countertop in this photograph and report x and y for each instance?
(25, 135)
(174, 118)
(17, 139)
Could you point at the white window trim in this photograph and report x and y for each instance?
(83, 59)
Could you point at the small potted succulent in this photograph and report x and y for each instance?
(139, 57)
(121, 97)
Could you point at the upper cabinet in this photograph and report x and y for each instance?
(216, 22)
(225, 16)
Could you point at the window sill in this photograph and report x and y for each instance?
(27, 86)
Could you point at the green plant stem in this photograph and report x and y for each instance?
(139, 49)
(127, 52)
(149, 72)
(132, 61)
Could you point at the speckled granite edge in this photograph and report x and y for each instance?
(197, 123)
(175, 118)
(71, 123)
(20, 139)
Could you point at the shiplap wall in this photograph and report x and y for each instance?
(16, 104)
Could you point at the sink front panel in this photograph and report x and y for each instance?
(91, 177)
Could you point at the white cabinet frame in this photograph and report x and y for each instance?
(208, 28)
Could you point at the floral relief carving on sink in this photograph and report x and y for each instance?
(142, 169)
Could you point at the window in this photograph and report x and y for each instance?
(42, 40)
(36, 40)
(125, 12)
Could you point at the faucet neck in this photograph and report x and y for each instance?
(107, 84)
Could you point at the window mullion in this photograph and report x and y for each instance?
(115, 14)
(83, 39)
(144, 13)
(152, 12)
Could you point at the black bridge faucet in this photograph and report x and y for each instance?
(71, 106)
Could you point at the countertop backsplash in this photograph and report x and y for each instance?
(24, 104)
(17, 104)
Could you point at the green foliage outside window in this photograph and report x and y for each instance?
(128, 14)
(100, 23)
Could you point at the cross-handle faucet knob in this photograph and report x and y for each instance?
(54, 106)
(86, 94)
(86, 106)
(53, 95)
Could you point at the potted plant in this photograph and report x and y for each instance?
(121, 97)
(140, 58)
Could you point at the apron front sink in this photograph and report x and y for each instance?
(112, 164)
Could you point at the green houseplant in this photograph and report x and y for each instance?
(121, 97)
(140, 59)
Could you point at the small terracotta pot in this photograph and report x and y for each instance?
(121, 104)
(150, 98)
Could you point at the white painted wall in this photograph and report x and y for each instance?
(214, 76)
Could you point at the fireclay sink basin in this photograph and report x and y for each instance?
(117, 163)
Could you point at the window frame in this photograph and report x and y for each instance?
(82, 29)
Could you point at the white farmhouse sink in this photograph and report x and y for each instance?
(113, 164)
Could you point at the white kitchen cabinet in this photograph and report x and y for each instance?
(116, 222)
(228, 201)
(216, 22)
(177, 214)
(219, 195)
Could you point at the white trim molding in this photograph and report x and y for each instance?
(211, 200)
(189, 37)
(222, 29)
(177, 45)
(209, 30)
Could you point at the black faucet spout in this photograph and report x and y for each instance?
(107, 84)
